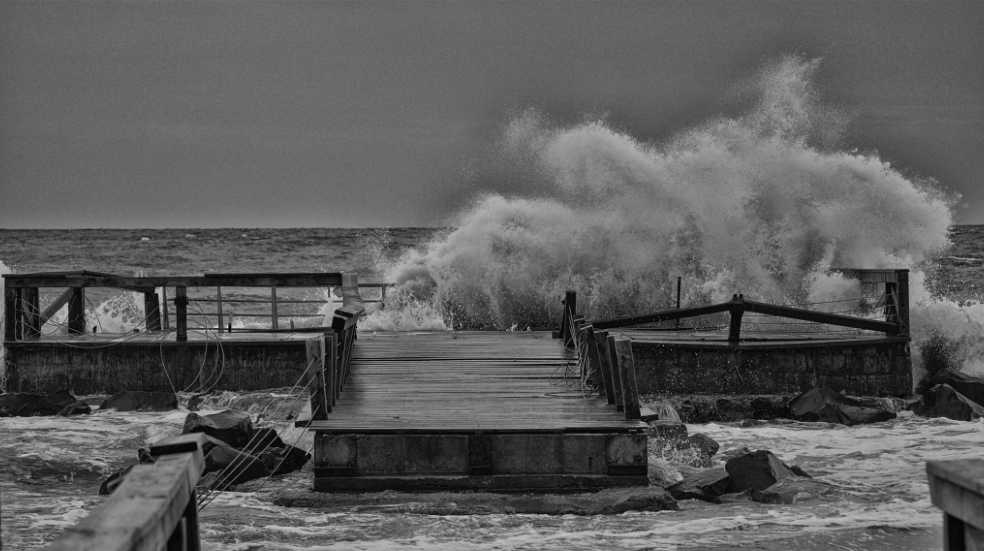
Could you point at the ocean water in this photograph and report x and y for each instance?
(50, 467)
(764, 202)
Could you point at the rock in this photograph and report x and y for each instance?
(756, 470)
(770, 407)
(28, 404)
(945, 401)
(232, 427)
(233, 466)
(969, 386)
(265, 437)
(284, 460)
(700, 408)
(141, 400)
(791, 490)
(823, 404)
(663, 473)
(707, 485)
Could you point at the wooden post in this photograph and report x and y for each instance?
(167, 319)
(332, 377)
(273, 307)
(218, 306)
(152, 310)
(902, 290)
(76, 311)
(616, 374)
(181, 312)
(626, 369)
(737, 310)
(570, 308)
(316, 356)
(596, 370)
(31, 307)
(10, 314)
(605, 360)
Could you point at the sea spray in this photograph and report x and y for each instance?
(760, 203)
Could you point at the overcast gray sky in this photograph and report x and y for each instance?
(245, 113)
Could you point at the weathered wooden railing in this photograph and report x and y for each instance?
(957, 487)
(332, 356)
(151, 510)
(607, 363)
(24, 316)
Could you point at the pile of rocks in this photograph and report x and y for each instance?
(684, 464)
(235, 451)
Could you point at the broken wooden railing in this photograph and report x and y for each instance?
(24, 316)
(957, 487)
(151, 510)
(332, 358)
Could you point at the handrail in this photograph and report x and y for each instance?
(152, 509)
(737, 306)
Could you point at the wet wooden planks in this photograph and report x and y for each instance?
(466, 382)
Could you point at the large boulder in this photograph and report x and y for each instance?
(232, 427)
(756, 470)
(28, 404)
(286, 459)
(823, 404)
(141, 400)
(234, 466)
(968, 386)
(707, 485)
(946, 401)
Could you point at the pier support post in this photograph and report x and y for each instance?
(737, 310)
(274, 314)
(318, 357)
(616, 374)
(626, 369)
(152, 310)
(76, 311)
(181, 312)
(605, 361)
(10, 314)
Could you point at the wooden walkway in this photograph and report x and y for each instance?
(466, 381)
(472, 410)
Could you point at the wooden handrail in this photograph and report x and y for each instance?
(152, 509)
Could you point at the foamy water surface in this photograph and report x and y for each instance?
(52, 467)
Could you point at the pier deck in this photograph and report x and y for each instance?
(472, 410)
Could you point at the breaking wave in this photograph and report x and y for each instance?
(765, 203)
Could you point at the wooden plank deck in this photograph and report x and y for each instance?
(465, 382)
(472, 410)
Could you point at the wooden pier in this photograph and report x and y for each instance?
(957, 487)
(472, 410)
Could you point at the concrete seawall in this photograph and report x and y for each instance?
(872, 368)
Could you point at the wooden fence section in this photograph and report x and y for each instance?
(333, 357)
(152, 509)
(167, 298)
(957, 487)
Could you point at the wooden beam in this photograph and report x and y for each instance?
(148, 507)
(902, 289)
(55, 306)
(317, 354)
(821, 317)
(138, 284)
(181, 312)
(218, 306)
(605, 359)
(152, 311)
(10, 314)
(616, 374)
(567, 314)
(663, 315)
(274, 314)
(76, 311)
(627, 374)
(734, 326)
